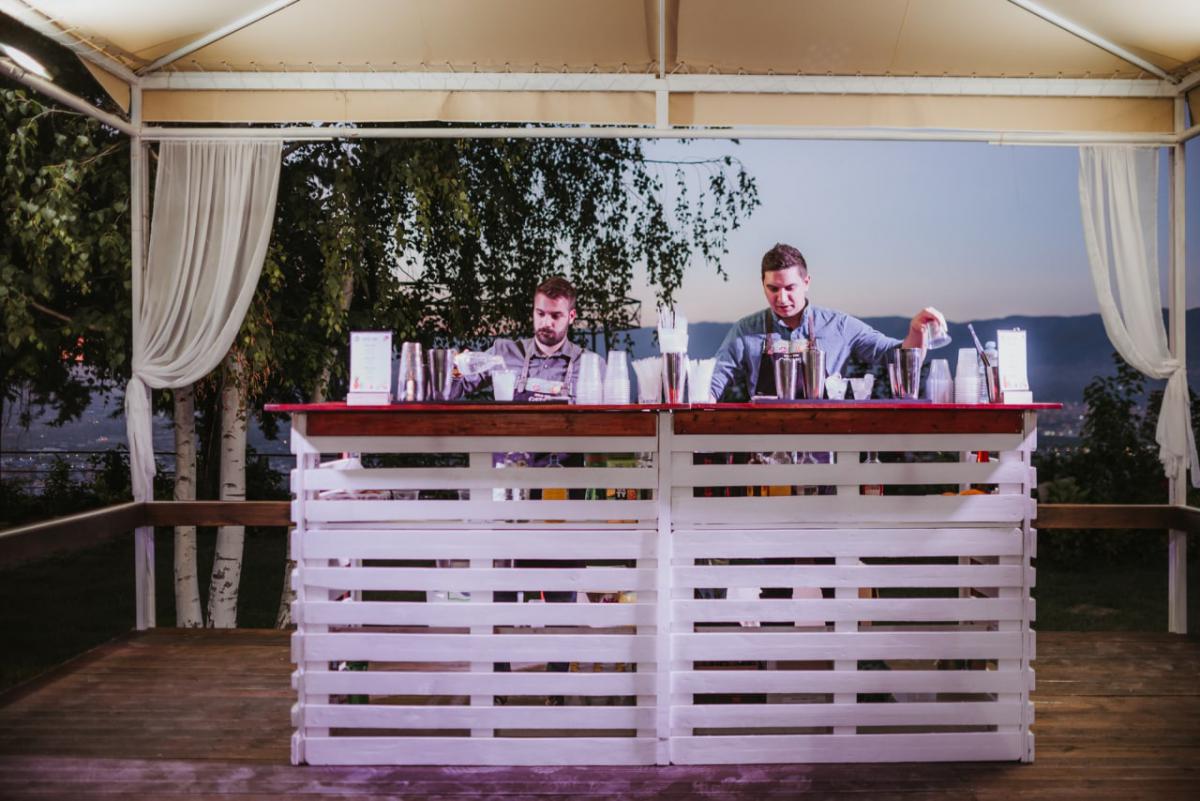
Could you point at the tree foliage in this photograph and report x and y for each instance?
(443, 241)
(1116, 462)
(64, 255)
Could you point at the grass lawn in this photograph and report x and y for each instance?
(58, 608)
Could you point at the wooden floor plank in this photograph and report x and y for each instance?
(188, 714)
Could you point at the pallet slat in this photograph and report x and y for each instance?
(480, 751)
(596, 579)
(386, 543)
(849, 645)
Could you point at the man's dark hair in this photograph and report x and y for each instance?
(557, 287)
(782, 257)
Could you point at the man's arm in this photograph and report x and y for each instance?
(464, 385)
(729, 366)
(868, 345)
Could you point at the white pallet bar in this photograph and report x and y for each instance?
(724, 612)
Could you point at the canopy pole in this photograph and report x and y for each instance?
(143, 536)
(1092, 38)
(36, 20)
(56, 92)
(317, 133)
(1177, 540)
(217, 35)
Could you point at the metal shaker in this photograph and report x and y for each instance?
(441, 372)
(908, 372)
(813, 373)
(788, 376)
(410, 383)
(674, 376)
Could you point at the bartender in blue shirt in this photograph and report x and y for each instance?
(744, 357)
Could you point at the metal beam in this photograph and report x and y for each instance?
(1188, 82)
(1092, 38)
(1177, 339)
(31, 18)
(56, 92)
(314, 133)
(216, 36)
(613, 82)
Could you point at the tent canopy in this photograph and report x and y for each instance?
(994, 65)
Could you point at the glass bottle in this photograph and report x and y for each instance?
(871, 489)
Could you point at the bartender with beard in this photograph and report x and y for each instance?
(546, 364)
(547, 368)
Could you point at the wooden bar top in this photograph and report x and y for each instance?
(537, 419)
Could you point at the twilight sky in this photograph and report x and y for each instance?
(976, 230)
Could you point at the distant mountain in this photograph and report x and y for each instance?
(1064, 353)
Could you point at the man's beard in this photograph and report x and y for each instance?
(548, 338)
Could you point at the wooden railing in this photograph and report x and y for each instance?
(86, 529)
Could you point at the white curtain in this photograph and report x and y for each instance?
(1118, 194)
(214, 202)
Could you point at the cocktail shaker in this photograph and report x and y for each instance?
(813, 370)
(674, 376)
(410, 383)
(788, 376)
(908, 368)
(441, 372)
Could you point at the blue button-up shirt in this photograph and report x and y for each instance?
(839, 335)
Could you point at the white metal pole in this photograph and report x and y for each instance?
(314, 133)
(217, 35)
(32, 18)
(1177, 540)
(143, 537)
(1092, 38)
(56, 92)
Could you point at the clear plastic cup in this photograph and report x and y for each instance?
(936, 336)
(504, 382)
(861, 387)
(835, 387)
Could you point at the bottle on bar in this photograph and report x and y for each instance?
(872, 457)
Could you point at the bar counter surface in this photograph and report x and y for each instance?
(502, 583)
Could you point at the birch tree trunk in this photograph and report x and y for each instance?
(187, 582)
(227, 558)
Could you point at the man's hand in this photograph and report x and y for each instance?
(455, 373)
(916, 327)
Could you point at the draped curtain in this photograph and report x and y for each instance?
(1118, 195)
(214, 202)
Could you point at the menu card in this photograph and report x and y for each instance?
(1014, 375)
(370, 368)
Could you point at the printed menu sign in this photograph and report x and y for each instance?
(1014, 376)
(370, 367)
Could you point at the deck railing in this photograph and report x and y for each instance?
(86, 529)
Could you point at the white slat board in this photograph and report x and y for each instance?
(950, 624)
(906, 636)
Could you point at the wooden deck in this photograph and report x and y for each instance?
(202, 714)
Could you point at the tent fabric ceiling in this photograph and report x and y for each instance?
(905, 38)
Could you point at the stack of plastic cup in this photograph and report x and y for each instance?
(649, 378)
(938, 384)
(966, 377)
(616, 377)
(589, 388)
(699, 380)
